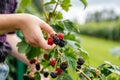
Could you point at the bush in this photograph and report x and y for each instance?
(107, 30)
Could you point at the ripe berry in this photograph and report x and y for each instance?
(59, 71)
(80, 61)
(53, 74)
(62, 43)
(37, 66)
(56, 40)
(32, 61)
(60, 35)
(50, 41)
(78, 66)
(46, 56)
(63, 65)
(25, 77)
(52, 62)
(46, 74)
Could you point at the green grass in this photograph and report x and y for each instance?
(99, 50)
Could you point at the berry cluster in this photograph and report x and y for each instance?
(80, 62)
(59, 69)
(31, 75)
(53, 63)
(58, 39)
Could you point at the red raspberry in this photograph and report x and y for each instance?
(60, 35)
(50, 41)
(32, 61)
(59, 71)
(46, 56)
(52, 62)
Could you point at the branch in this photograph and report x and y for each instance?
(54, 9)
(44, 11)
(80, 71)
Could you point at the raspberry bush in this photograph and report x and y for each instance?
(67, 60)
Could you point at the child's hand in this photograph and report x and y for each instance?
(31, 27)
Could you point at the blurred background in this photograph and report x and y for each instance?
(99, 26)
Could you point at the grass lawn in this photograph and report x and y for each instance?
(99, 50)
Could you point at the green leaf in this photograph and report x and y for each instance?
(23, 5)
(45, 63)
(71, 37)
(113, 68)
(57, 28)
(51, 2)
(33, 52)
(71, 58)
(70, 26)
(102, 77)
(23, 47)
(83, 53)
(59, 15)
(65, 5)
(66, 76)
(84, 3)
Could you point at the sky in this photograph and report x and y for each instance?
(77, 10)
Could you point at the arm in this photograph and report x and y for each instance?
(13, 40)
(29, 25)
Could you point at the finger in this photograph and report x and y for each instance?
(43, 43)
(46, 27)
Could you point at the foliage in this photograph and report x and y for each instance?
(104, 29)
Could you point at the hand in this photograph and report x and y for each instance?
(31, 27)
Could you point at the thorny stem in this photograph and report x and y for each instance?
(80, 71)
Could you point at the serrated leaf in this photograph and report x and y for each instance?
(23, 47)
(65, 5)
(45, 63)
(23, 5)
(59, 15)
(37, 76)
(102, 77)
(71, 58)
(70, 26)
(83, 53)
(66, 76)
(84, 3)
(57, 28)
(113, 68)
(33, 52)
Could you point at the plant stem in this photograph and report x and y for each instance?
(80, 71)
(44, 11)
(54, 9)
